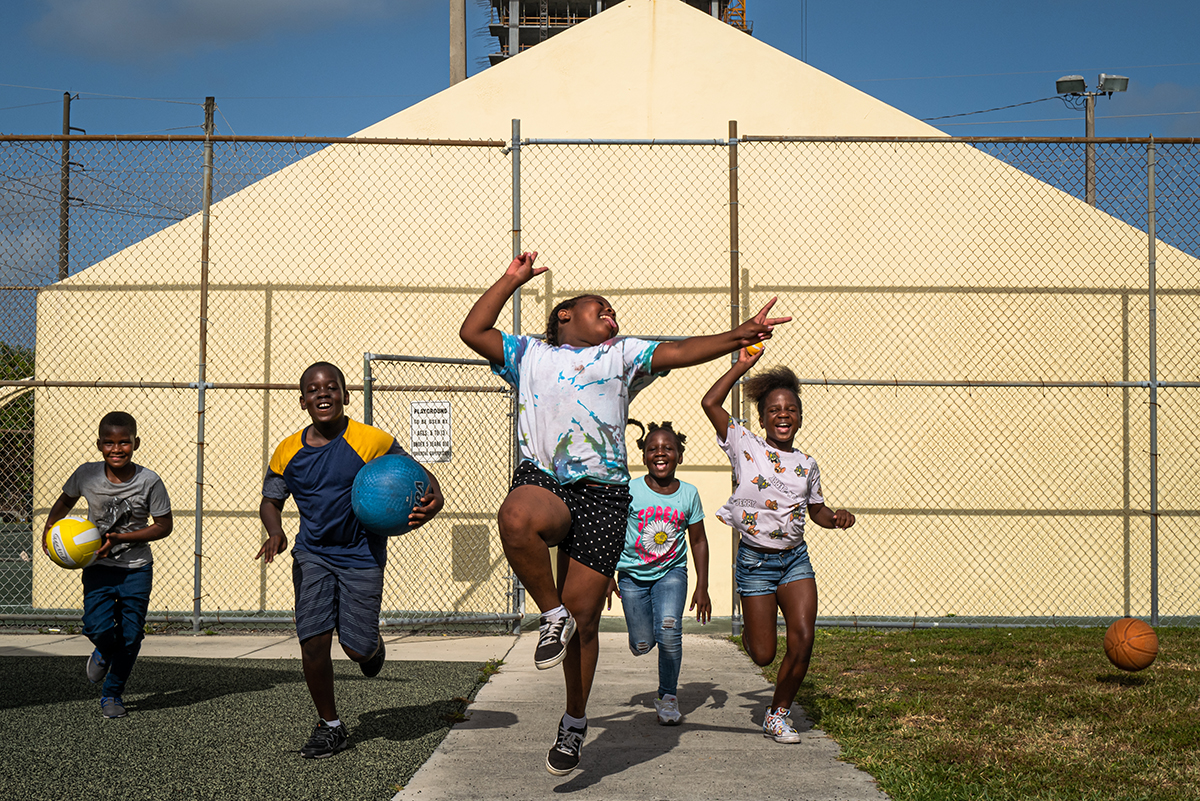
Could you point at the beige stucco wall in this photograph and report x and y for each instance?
(358, 249)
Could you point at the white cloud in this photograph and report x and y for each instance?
(137, 30)
(1156, 99)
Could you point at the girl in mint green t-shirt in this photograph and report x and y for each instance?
(652, 574)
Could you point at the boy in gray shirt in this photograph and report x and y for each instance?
(121, 496)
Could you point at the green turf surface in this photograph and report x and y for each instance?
(220, 729)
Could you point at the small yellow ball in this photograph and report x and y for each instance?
(756, 348)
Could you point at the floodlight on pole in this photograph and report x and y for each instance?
(1075, 86)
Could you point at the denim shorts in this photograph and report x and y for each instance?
(759, 573)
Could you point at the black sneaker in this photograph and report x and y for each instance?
(372, 666)
(552, 644)
(326, 741)
(96, 667)
(564, 756)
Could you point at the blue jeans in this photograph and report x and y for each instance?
(654, 616)
(115, 601)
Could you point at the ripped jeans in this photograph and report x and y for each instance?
(654, 616)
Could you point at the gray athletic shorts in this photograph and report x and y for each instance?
(342, 599)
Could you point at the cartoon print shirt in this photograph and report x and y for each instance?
(572, 403)
(656, 531)
(771, 490)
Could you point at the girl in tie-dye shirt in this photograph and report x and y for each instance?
(570, 489)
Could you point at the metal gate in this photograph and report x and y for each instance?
(456, 418)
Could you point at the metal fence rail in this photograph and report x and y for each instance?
(998, 377)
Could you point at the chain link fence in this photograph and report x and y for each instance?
(999, 378)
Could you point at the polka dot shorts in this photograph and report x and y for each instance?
(598, 516)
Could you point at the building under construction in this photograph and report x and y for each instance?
(521, 24)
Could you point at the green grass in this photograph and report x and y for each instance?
(1031, 713)
(221, 729)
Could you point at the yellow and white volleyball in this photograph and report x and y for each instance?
(72, 542)
(756, 348)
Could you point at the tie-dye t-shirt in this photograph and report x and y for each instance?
(656, 533)
(771, 490)
(572, 403)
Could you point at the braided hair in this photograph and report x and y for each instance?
(553, 322)
(680, 439)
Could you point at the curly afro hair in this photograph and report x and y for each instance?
(760, 385)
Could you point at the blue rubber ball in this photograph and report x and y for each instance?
(385, 491)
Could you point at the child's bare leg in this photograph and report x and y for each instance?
(318, 673)
(583, 592)
(532, 520)
(760, 632)
(798, 600)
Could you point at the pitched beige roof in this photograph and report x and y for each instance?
(650, 69)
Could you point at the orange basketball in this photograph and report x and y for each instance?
(1130, 644)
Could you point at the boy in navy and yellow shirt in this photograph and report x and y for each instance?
(337, 565)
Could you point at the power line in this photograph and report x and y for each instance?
(1030, 72)
(986, 110)
(1073, 119)
(102, 95)
(30, 105)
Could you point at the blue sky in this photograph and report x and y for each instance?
(332, 67)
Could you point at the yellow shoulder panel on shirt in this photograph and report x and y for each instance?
(367, 441)
(285, 450)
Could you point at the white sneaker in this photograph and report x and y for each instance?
(777, 725)
(667, 708)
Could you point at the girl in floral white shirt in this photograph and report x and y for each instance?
(776, 488)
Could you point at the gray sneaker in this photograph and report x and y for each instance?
(96, 668)
(111, 706)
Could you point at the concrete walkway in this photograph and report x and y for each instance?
(717, 753)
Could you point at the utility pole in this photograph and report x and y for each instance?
(64, 191)
(458, 41)
(1073, 86)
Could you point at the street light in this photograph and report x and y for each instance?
(1075, 86)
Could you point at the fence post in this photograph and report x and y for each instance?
(368, 396)
(735, 319)
(197, 569)
(1153, 320)
(64, 194)
(1125, 488)
(518, 591)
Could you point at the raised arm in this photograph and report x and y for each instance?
(479, 330)
(697, 350)
(713, 401)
